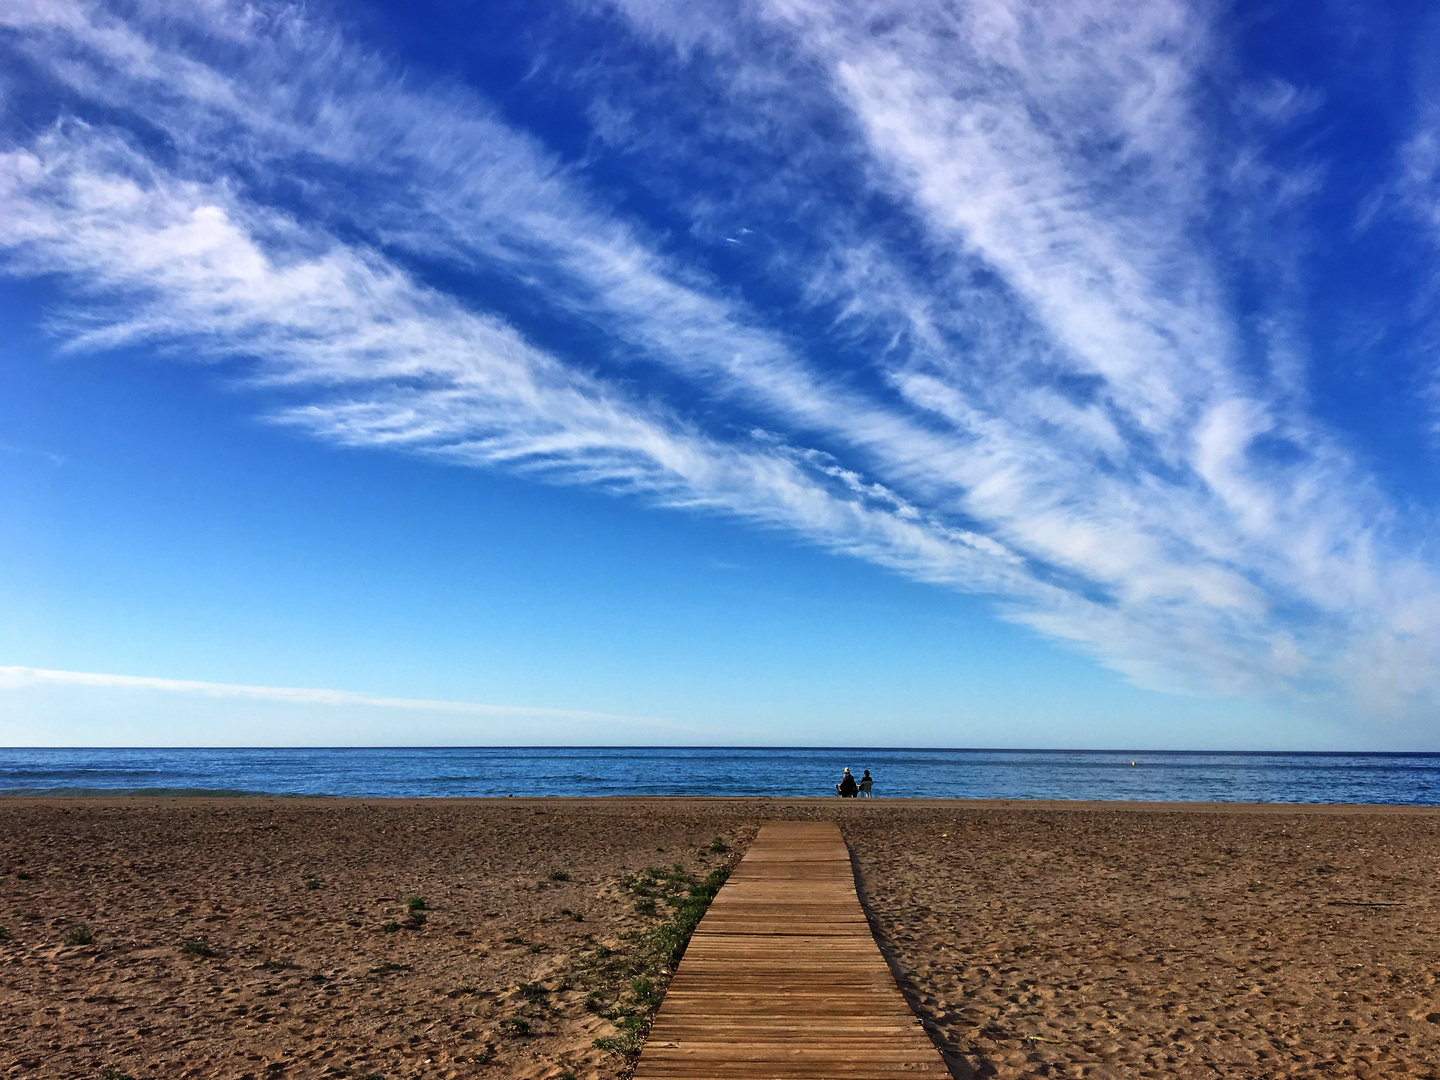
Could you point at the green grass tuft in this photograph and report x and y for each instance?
(627, 1042)
(196, 947)
(80, 934)
(645, 993)
(626, 985)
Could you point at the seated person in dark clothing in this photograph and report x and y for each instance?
(847, 787)
(866, 783)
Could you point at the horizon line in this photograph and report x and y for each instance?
(749, 747)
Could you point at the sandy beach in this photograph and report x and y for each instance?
(272, 937)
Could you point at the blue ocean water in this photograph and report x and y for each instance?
(421, 772)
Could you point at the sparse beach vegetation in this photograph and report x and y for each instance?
(626, 986)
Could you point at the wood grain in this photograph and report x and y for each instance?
(783, 979)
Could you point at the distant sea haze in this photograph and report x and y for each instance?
(451, 772)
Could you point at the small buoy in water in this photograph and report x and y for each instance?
(1132, 763)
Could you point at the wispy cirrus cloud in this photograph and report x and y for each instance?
(1122, 427)
(13, 678)
(400, 365)
(31, 451)
(1029, 378)
(91, 708)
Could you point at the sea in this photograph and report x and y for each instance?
(450, 772)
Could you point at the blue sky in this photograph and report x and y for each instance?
(979, 374)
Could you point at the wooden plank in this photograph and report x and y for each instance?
(783, 979)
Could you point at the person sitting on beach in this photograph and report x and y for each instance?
(846, 788)
(865, 784)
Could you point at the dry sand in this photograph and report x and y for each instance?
(1061, 940)
(1034, 939)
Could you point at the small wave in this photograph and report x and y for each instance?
(77, 770)
(208, 793)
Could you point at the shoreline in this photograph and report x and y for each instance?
(735, 801)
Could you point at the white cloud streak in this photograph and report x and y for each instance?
(15, 678)
(1061, 148)
(1083, 439)
(406, 366)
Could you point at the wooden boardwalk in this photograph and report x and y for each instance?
(783, 979)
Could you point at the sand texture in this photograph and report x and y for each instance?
(1102, 943)
(441, 1000)
(1033, 939)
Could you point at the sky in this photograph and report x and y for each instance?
(766, 372)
